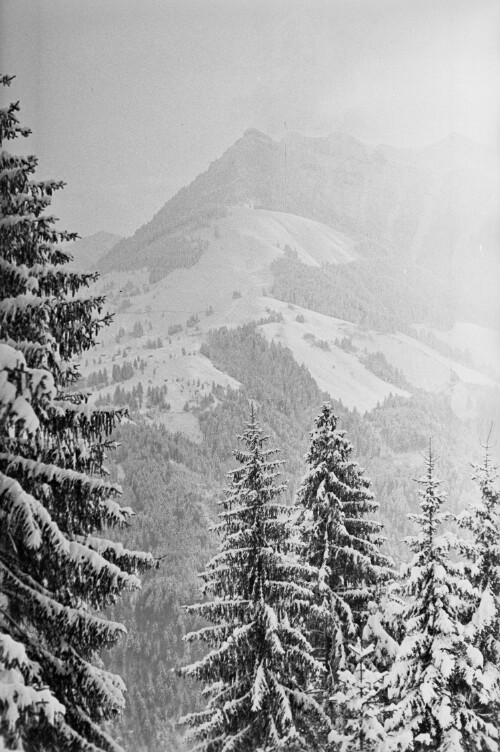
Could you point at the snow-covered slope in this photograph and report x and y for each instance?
(230, 285)
(240, 250)
(205, 261)
(344, 376)
(482, 343)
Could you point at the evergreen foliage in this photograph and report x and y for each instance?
(383, 293)
(438, 682)
(57, 574)
(285, 392)
(358, 702)
(361, 703)
(164, 473)
(168, 485)
(482, 549)
(377, 363)
(122, 372)
(340, 542)
(259, 674)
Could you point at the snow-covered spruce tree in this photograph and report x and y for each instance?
(342, 545)
(437, 683)
(56, 572)
(260, 672)
(359, 702)
(482, 549)
(361, 695)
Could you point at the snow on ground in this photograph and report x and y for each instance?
(179, 366)
(314, 242)
(334, 370)
(241, 248)
(482, 343)
(422, 366)
(342, 375)
(229, 286)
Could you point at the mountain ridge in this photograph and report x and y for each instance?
(247, 240)
(427, 203)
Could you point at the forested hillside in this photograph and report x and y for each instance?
(174, 485)
(381, 293)
(389, 202)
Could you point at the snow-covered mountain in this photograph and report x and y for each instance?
(357, 260)
(213, 254)
(433, 204)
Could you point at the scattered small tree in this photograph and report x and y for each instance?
(138, 329)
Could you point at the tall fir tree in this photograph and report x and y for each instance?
(260, 672)
(57, 573)
(342, 543)
(438, 682)
(482, 549)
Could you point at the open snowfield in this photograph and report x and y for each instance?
(482, 343)
(335, 371)
(314, 242)
(422, 366)
(241, 248)
(342, 375)
(229, 286)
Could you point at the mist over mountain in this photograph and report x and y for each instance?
(434, 205)
(395, 248)
(384, 253)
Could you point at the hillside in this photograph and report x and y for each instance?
(350, 277)
(335, 309)
(368, 296)
(435, 205)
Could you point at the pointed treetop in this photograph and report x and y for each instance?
(430, 461)
(487, 447)
(260, 671)
(327, 416)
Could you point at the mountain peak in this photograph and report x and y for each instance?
(255, 134)
(337, 180)
(252, 140)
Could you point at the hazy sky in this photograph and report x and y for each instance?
(130, 99)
